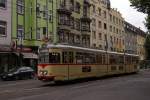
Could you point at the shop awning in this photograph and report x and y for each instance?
(30, 55)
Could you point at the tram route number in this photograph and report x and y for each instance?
(86, 68)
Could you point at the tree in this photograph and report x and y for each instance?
(144, 7)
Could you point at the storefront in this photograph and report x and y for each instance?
(13, 58)
(8, 59)
(30, 59)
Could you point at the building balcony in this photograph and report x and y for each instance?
(64, 10)
(85, 30)
(64, 25)
(86, 18)
(87, 2)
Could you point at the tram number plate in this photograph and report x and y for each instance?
(86, 68)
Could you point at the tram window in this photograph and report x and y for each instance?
(121, 68)
(68, 57)
(93, 56)
(86, 58)
(120, 59)
(54, 57)
(134, 60)
(128, 60)
(71, 57)
(104, 59)
(79, 58)
(112, 59)
(99, 58)
(44, 57)
(65, 57)
(113, 68)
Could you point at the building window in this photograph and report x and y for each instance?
(94, 22)
(3, 3)
(99, 11)
(100, 24)
(110, 28)
(45, 12)
(105, 26)
(94, 9)
(105, 15)
(3, 28)
(72, 5)
(78, 7)
(20, 6)
(62, 3)
(38, 10)
(78, 24)
(100, 36)
(38, 35)
(20, 31)
(94, 35)
(50, 1)
(110, 17)
(50, 16)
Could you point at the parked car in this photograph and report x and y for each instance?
(19, 73)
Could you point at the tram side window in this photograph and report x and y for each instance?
(54, 57)
(104, 59)
(112, 59)
(67, 57)
(128, 60)
(99, 58)
(134, 60)
(93, 58)
(86, 58)
(79, 58)
(71, 57)
(120, 59)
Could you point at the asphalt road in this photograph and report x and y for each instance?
(130, 87)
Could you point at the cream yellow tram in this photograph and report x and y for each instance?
(62, 63)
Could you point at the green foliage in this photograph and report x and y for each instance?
(141, 5)
(144, 7)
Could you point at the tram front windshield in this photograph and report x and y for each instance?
(49, 57)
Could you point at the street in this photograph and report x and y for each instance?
(129, 87)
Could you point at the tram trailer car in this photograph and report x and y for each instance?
(63, 63)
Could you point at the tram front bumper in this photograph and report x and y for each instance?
(46, 78)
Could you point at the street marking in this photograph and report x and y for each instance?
(22, 90)
(17, 83)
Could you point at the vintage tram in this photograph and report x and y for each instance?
(63, 63)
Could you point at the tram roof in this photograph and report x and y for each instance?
(85, 49)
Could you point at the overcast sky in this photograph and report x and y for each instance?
(131, 15)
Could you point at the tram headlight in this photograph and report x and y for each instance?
(45, 72)
(41, 72)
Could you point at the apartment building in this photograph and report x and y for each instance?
(5, 24)
(73, 25)
(53, 21)
(107, 28)
(141, 39)
(131, 38)
(33, 23)
(6, 44)
(135, 40)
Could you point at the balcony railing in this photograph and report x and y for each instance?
(64, 9)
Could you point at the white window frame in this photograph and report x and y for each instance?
(5, 27)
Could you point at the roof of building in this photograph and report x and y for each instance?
(134, 29)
